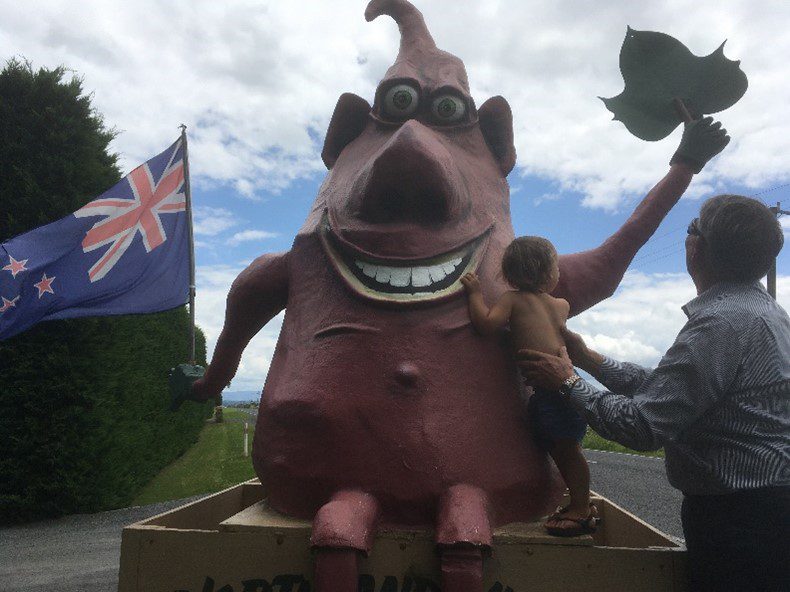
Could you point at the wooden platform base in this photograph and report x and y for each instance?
(233, 542)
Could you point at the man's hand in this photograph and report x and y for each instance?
(581, 355)
(702, 140)
(471, 283)
(544, 370)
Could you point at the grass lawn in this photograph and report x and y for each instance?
(593, 441)
(215, 462)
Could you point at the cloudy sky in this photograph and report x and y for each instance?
(256, 82)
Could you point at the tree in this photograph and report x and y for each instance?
(83, 402)
(54, 151)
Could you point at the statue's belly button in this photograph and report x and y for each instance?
(407, 374)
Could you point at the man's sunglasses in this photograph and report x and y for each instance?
(693, 228)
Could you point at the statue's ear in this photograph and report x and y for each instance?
(348, 121)
(496, 123)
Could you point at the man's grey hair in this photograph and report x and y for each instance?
(742, 234)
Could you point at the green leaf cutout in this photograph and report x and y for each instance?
(658, 68)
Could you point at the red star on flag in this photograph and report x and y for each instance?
(15, 266)
(45, 285)
(8, 303)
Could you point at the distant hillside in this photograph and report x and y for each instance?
(241, 395)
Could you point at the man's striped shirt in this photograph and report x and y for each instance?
(718, 402)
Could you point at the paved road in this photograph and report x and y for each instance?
(80, 553)
(638, 484)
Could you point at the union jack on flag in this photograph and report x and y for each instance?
(127, 251)
(124, 218)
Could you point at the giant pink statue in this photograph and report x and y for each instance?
(382, 404)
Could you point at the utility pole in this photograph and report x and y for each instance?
(771, 279)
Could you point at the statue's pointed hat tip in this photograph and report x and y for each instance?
(413, 31)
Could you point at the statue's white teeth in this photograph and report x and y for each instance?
(403, 281)
(400, 277)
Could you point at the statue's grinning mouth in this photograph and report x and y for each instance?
(403, 281)
(410, 279)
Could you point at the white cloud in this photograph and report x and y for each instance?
(212, 221)
(250, 235)
(641, 320)
(785, 222)
(213, 284)
(257, 82)
(546, 197)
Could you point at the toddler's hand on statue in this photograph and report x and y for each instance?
(471, 282)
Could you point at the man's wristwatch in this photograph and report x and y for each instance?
(568, 383)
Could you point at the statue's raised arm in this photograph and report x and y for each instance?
(588, 277)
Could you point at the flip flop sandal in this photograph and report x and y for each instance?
(582, 526)
(557, 515)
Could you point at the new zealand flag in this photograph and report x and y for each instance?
(125, 252)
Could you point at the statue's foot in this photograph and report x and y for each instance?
(336, 570)
(343, 530)
(462, 569)
(463, 535)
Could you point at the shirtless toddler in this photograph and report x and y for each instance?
(536, 319)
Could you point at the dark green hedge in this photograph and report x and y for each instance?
(83, 403)
(83, 412)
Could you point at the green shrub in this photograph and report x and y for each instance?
(84, 412)
(83, 403)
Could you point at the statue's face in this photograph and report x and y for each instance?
(412, 199)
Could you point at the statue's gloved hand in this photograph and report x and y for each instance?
(181, 381)
(702, 140)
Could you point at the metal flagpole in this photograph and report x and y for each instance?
(188, 195)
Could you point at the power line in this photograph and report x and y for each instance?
(644, 263)
(771, 189)
(648, 255)
(771, 276)
(679, 228)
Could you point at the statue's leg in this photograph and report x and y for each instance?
(343, 529)
(463, 536)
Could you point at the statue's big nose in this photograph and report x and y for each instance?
(410, 179)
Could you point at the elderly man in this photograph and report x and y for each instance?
(718, 402)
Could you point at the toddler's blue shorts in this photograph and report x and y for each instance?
(554, 419)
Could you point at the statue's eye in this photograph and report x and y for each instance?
(448, 109)
(400, 101)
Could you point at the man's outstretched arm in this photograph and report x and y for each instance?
(690, 379)
(623, 378)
